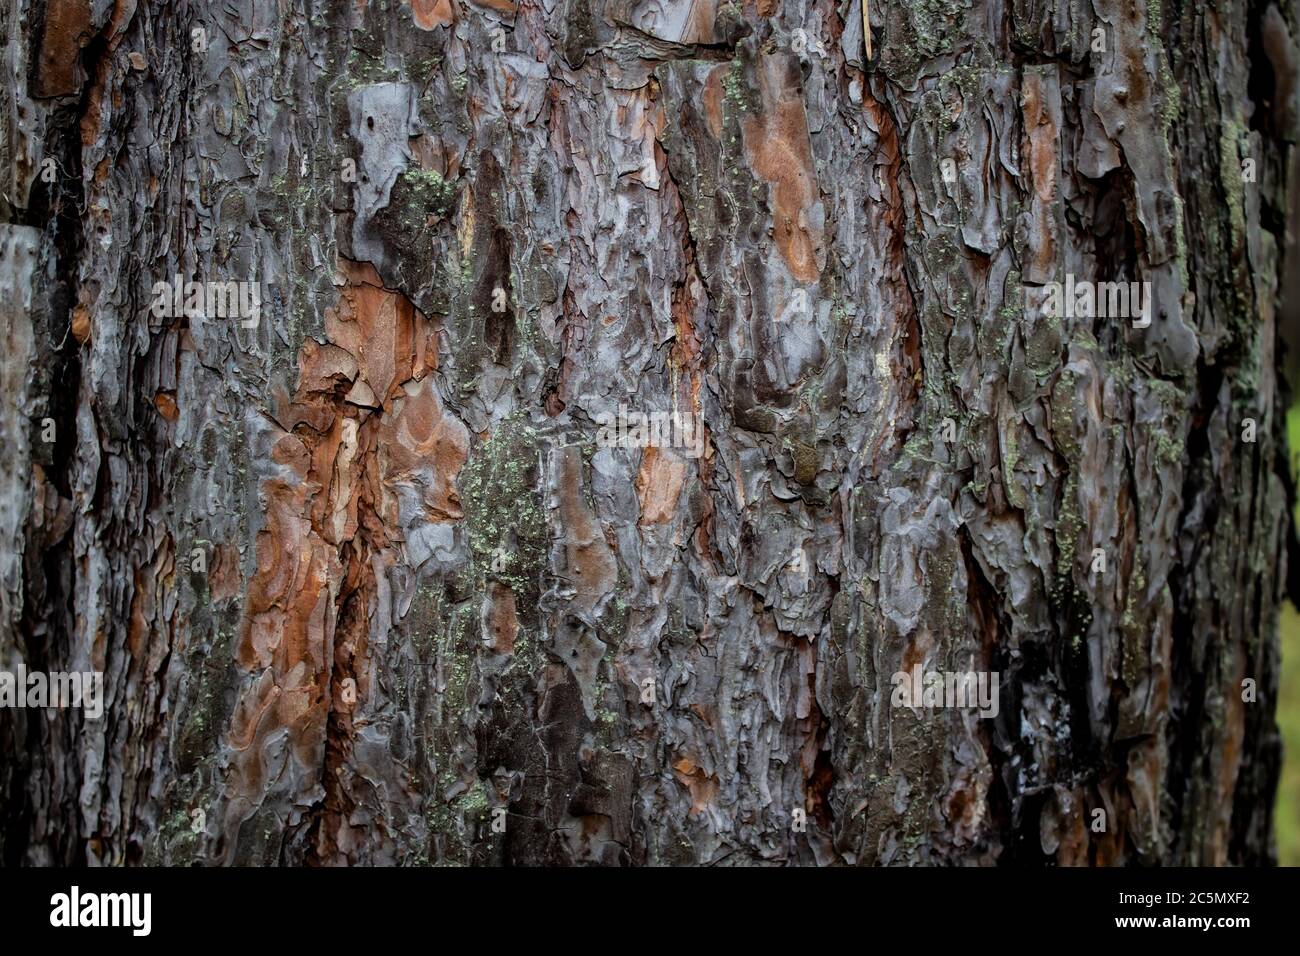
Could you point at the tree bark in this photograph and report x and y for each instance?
(367, 582)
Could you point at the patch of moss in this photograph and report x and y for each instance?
(504, 515)
(424, 192)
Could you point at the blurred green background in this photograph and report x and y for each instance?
(1288, 706)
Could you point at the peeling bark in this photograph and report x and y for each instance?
(367, 585)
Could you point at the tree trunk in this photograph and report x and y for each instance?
(371, 576)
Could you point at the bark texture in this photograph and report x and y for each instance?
(362, 575)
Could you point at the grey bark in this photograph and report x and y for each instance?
(363, 574)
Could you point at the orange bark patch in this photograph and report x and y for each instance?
(290, 625)
(224, 578)
(712, 97)
(1063, 829)
(165, 402)
(428, 14)
(147, 634)
(66, 28)
(138, 629)
(1042, 137)
(377, 327)
(90, 118)
(591, 566)
(364, 425)
(81, 324)
(703, 788)
(779, 150)
(294, 569)
(699, 26)
(659, 485)
(500, 618)
(507, 7)
(423, 449)
(123, 11)
(916, 651)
